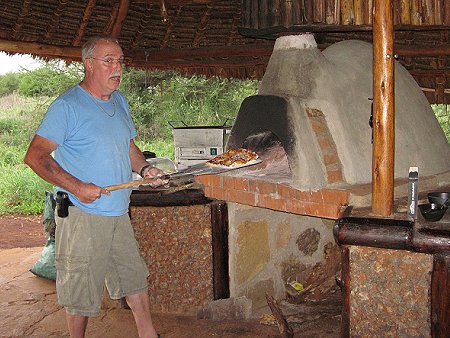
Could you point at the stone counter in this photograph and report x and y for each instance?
(179, 245)
(395, 276)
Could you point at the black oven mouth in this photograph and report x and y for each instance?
(263, 125)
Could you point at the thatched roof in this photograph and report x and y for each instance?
(231, 38)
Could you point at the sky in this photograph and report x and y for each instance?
(16, 62)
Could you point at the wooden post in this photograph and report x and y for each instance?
(383, 100)
(440, 296)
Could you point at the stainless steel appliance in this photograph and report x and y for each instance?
(196, 144)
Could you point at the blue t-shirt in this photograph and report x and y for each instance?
(93, 146)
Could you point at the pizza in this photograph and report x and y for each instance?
(234, 158)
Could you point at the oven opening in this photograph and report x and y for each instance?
(270, 149)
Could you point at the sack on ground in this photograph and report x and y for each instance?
(45, 266)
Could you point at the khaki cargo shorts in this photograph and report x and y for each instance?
(92, 251)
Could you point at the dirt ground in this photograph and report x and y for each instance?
(18, 231)
(29, 308)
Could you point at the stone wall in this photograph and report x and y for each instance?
(270, 250)
(389, 293)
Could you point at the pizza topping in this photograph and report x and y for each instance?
(234, 157)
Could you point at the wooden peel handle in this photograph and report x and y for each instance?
(130, 184)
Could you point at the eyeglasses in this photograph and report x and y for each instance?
(110, 62)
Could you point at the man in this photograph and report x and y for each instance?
(90, 132)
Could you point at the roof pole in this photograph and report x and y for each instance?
(383, 112)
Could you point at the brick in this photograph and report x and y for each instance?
(324, 143)
(332, 211)
(316, 196)
(330, 158)
(324, 210)
(209, 180)
(266, 201)
(286, 191)
(334, 176)
(307, 195)
(316, 209)
(296, 207)
(208, 191)
(263, 187)
(236, 183)
(335, 196)
(219, 193)
(317, 126)
(243, 197)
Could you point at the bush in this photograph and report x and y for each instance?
(442, 112)
(194, 100)
(50, 80)
(21, 191)
(9, 83)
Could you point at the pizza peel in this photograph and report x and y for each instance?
(197, 169)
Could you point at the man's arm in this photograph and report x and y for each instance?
(39, 158)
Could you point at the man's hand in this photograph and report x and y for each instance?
(157, 174)
(89, 192)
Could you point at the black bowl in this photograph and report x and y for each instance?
(432, 212)
(439, 197)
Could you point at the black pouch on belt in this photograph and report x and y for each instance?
(62, 204)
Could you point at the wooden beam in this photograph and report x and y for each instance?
(207, 52)
(234, 28)
(433, 90)
(383, 114)
(143, 25)
(25, 9)
(440, 296)
(175, 2)
(107, 30)
(421, 51)
(202, 25)
(430, 73)
(214, 63)
(170, 28)
(344, 283)
(167, 55)
(120, 18)
(84, 22)
(272, 32)
(39, 49)
(53, 24)
(266, 50)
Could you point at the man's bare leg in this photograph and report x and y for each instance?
(140, 306)
(77, 325)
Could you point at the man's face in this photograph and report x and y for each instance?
(105, 67)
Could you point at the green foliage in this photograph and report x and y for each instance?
(21, 191)
(51, 79)
(194, 100)
(161, 147)
(9, 83)
(442, 112)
